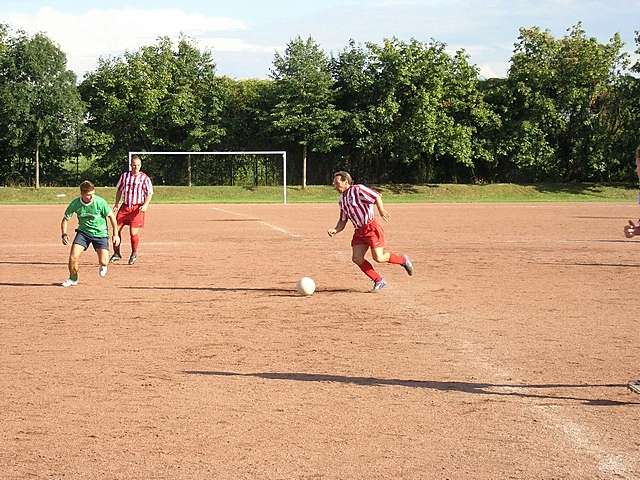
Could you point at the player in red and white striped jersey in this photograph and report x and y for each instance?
(135, 189)
(630, 231)
(633, 229)
(356, 204)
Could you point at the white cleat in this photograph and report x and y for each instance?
(102, 271)
(69, 283)
(408, 265)
(379, 285)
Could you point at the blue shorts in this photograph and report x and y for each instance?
(84, 240)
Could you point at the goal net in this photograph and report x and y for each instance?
(246, 169)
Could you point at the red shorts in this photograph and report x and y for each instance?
(371, 234)
(131, 216)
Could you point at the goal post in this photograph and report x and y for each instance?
(282, 153)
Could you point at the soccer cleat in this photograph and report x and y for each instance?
(133, 258)
(114, 258)
(69, 283)
(407, 265)
(634, 386)
(102, 271)
(379, 285)
(629, 230)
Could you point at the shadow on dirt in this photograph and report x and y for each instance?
(234, 220)
(282, 291)
(591, 264)
(465, 387)
(16, 262)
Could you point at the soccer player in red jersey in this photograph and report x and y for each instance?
(135, 189)
(356, 204)
(633, 229)
(630, 231)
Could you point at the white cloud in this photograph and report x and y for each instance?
(85, 37)
(492, 71)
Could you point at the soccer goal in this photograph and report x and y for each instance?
(205, 168)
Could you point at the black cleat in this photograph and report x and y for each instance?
(115, 257)
(133, 258)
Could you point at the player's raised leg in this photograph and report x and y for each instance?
(381, 255)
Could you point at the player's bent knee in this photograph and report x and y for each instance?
(380, 258)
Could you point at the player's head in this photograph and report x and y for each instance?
(342, 181)
(87, 191)
(136, 164)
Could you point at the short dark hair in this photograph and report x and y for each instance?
(87, 186)
(344, 176)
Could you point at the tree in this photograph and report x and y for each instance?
(618, 113)
(305, 112)
(244, 117)
(40, 107)
(551, 128)
(412, 110)
(158, 97)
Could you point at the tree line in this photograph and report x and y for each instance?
(395, 112)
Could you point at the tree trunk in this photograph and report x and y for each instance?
(255, 172)
(189, 169)
(37, 165)
(304, 166)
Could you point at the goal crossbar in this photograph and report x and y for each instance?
(253, 152)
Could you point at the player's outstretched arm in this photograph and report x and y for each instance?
(117, 202)
(115, 238)
(63, 230)
(338, 228)
(383, 213)
(146, 203)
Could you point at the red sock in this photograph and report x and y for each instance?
(369, 271)
(396, 259)
(135, 239)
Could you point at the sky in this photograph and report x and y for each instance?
(244, 35)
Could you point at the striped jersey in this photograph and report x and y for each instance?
(135, 188)
(356, 204)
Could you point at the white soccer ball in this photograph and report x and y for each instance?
(306, 286)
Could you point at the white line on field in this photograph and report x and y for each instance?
(611, 464)
(262, 222)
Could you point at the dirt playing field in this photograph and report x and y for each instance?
(504, 357)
